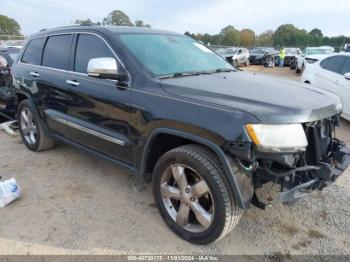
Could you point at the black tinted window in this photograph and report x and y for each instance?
(346, 67)
(88, 47)
(57, 51)
(32, 54)
(334, 63)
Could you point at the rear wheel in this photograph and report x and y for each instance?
(192, 195)
(31, 129)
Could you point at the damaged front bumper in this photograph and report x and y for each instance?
(325, 173)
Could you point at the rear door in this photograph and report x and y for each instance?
(329, 73)
(98, 114)
(54, 91)
(345, 85)
(330, 77)
(43, 83)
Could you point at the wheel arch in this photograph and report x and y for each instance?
(224, 160)
(20, 96)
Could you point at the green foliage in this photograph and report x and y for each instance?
(286, 35)
(247, 37)
(289, 35)
(264, 39)
(229, 36)
(83, 21)
(117, 17)
(9, 26)
(140, 23)
(316, 33)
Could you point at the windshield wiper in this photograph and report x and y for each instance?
(221, 70)
(196, 73)
(179, 74)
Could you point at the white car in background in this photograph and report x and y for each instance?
(235, 55)
(332, 74)
(311, 55)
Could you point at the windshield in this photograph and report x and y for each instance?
(291, 50)
(166, 55)
(318, 51)
(226, 51)
(258, 51)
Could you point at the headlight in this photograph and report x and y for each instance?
(278, 138)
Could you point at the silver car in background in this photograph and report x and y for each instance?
(235, 55)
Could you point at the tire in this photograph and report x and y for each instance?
(299, 71)
(235, 63)
(32, 130)
(224, 212)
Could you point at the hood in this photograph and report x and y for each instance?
(256, 54)
(291, 54)
(271, 100)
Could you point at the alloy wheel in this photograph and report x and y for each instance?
(187, 198)
(28, 126)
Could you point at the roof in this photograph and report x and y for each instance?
(104, 29)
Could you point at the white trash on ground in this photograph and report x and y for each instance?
(9, 191)
(9, 127)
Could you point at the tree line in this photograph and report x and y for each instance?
(116, 18)
(286, 35)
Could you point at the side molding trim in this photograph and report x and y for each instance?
(87, 130)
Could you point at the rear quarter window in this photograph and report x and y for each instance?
(334, 63)
(346, 67)
(33, 52)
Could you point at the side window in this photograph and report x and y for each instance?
(346, 67)
(88, 47)
(33, 52)
(57, 52)
(334, 63)
(240, 51)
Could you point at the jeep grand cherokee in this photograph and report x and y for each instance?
(175, 113)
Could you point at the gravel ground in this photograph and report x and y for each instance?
(74, 203)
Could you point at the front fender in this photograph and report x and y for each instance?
(224, 160)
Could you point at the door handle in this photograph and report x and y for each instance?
(35, 74)
(73, 82)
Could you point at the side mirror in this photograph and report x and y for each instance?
(103, 67)
(347, 76)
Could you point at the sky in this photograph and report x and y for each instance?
(196, 16)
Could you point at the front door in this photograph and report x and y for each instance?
(98, 114)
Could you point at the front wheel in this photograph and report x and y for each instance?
(192, 195)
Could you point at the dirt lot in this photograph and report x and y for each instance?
(74, 203)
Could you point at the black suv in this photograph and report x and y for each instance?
(175, 113)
